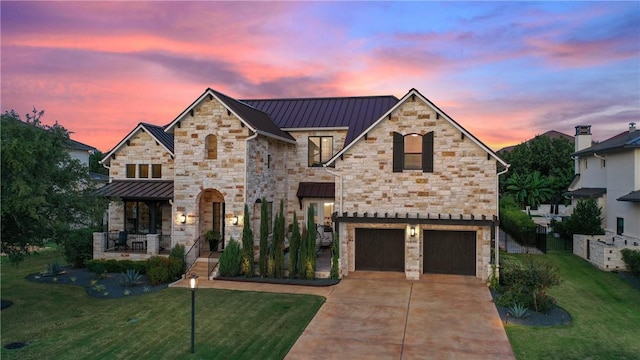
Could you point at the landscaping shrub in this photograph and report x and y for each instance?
(159, 274)
(586, 219)
(130, 278)
(177, 254)
(632, 259)
(308, 248)
(78, 247)
(335, 256)
(247, 245)
(276, 257)
(163, 270)
(230, 259)
(294, 248)
(116, 266)
(519, 225)
(527, 284)
(264, 235)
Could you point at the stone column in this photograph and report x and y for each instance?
(153, 244)
(412, 253)
(99, 244)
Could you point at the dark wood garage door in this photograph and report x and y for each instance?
(380, 249)
(450, 252)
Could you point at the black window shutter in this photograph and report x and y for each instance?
(398, 152)
(427, 152)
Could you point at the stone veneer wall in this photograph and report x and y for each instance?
(414, 246)
(142, 149)
(463, 181)
(604, 250)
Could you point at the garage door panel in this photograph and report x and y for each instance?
(449, 252)
(379, 250)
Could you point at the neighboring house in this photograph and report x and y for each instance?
(551, 134)
(405, 186)
(609, 172)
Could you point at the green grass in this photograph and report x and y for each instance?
(605, 312)
(63, 322)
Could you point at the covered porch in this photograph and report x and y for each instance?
(140, 216)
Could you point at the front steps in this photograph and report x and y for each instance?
(201, 268)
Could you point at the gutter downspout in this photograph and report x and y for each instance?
(497, 246)
(339, 177)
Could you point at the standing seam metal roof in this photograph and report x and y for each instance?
(159, 133)
(356, 113)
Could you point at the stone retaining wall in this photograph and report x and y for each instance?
(603, 251)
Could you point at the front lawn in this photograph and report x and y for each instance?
(63, 322)
(605, 311)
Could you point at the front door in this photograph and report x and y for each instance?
(218, 219)
(322, 210)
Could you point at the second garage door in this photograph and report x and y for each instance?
(449, 252)
(380, 249)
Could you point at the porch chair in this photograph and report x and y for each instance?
(122, 240)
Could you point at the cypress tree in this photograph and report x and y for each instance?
(335, 256)
(294, 247)
(247, 245)
(264, 235)
(309, 252)
(278, 244)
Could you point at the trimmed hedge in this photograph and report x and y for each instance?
(518, 224)
(632, 259)
(116, 266)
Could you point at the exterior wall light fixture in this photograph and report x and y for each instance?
(235, 220)
(412, 231)
(183, 218)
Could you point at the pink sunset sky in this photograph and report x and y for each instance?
(506, 71)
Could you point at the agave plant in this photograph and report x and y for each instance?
(130, 277)
(54, 268)
(519, 311)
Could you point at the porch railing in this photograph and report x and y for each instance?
(210, 263)
(191, 256)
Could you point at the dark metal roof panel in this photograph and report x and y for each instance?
(633, 196)
(158, 132)
(316, 190)
(355, 113)
(138, 189)
(257, 118)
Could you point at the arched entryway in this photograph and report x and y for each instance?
(212, 213)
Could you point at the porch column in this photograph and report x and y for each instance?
(99, 244)
(153, 210)
(153, 244)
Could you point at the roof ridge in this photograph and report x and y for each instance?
(321, 98)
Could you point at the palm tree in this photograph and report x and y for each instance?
(532, 189)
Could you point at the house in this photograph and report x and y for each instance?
(551, 134)
(406, 187)
(609, 172)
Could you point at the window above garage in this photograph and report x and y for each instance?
(413, 152)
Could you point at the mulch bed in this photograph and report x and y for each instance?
(554, 317)
(112, 287)
(286, 281)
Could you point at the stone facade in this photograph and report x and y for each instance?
(463, 182)
(603, 251)
(245, 167)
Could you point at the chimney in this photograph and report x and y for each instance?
(582, 141)
(632, 127)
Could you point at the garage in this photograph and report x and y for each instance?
(449, 252)
(379, 249)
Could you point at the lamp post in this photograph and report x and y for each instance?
(193, 286)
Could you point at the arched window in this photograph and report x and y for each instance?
(211, 147)
(413, 152)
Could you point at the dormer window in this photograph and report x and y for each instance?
(320, 150)
(413, 152)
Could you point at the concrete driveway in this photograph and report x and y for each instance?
(376, 315)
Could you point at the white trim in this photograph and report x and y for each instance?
(128, 137)
(414, 92)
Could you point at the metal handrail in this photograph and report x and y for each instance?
(210, 267)
(193, 252)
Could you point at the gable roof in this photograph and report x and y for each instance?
(77, 145)
(442, 114)
(256, 120)
(354, 114)
(624, 140)
(157, 132)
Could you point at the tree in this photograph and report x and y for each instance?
(294, 247)
(94, 163)
(45, 192)
(586, 219)
(264, 237)
(531, 189)
(308, 248)
(276, 258)
(247, 245)
(335, 257)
